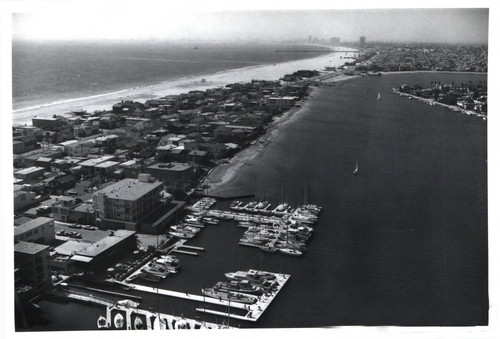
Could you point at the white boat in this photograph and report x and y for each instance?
(290, 251)
(156, 270)
(356, 168)
(378, 97)
(211, 221)
(168, 259)
(186, 228)
(138, 323)
(182, 235)
(127, 303)
(102, 323)
(170, 268)
(119, 321)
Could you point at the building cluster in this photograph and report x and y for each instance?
(86, 184)
(470, 96)
(423, 57)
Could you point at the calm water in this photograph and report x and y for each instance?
(53, 71)
(402, 243)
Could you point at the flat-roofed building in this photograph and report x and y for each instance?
(39, 230)
(23, 199)
(107, 167)
(77, 148)
(281, 102)
(89, 165)
(170, 171)
(125, 203)
(29, 173)
(32, 260)
(73, 256)
(70, 209)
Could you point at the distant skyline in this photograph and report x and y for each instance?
(388, 25)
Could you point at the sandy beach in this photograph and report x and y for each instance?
(200, 82)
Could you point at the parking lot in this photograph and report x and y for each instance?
(67, 231)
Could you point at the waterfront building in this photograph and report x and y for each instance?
(73, 256)
(171, 172)
(281, 102)
(126, 203)
(39, 230)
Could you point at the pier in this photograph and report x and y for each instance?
(254, 311)
(193, 248)
(184, 252)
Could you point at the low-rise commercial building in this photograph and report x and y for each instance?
(39, 230)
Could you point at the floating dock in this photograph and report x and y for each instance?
(184, 252)
(193, 248)
(254, 311)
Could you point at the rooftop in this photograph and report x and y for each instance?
(30, 170)
(96, 161)
(71, 247)
(107, 164)
(171, 166)
(31, 225)
(29, 247)
(129, 189)
(102, 245)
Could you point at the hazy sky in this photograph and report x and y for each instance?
(422, 25)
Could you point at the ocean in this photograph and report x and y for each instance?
(405, 242)
(48, 72)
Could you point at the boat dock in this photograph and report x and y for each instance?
(264, 219)
(184, 252)
(256, 310)
(193, 248)
(188, 296)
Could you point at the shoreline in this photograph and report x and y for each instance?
(223, 174)
(104, 101)
(433, 102)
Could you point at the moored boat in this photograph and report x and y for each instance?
(238, 286)
(227, 295)
(211, 221)
(290, 251)
(102, 323)
(138, 323)
(119, 321)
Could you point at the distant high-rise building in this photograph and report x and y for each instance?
(310, 39)
(334, 41)
(362, 41)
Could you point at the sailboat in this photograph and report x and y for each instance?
(378, 96)
(355, 168)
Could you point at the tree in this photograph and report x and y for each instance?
(178, 194)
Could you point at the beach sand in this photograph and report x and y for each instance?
(201, 82)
